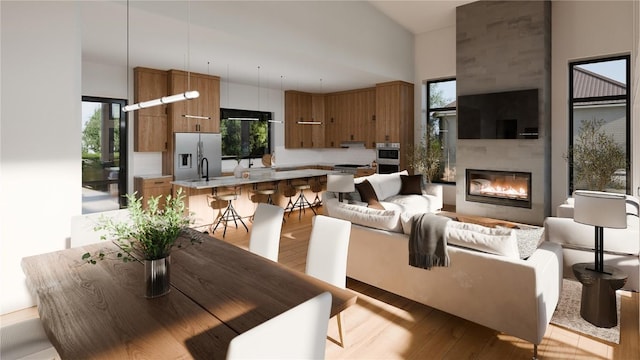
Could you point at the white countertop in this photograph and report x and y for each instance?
(263, 176)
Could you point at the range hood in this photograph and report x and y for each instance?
(352, 144)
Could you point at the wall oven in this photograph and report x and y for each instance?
(388, 157)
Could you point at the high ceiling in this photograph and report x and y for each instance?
(179, 35)
(420, 16)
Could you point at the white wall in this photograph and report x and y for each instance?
(435, 58)
(577, 34)
(40, 136)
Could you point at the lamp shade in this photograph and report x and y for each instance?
(340, 183)
(600, 209)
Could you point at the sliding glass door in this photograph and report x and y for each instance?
(104, 154)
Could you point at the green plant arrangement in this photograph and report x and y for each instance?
(595, 157)
(151, 233)
(425, 158)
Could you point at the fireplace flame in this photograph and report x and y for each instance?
(504, 191)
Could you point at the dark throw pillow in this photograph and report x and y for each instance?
(411, 184)
(368, 195)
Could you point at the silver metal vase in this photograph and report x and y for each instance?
(157, 276)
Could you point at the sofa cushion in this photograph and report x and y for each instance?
(571, 234)
(365, 216)
(411, 184)
(477, 237)
(368, 195)
(528, 239)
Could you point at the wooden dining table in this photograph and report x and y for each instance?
(218, 291)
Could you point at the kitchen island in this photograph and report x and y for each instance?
(200, 193)
(256, 175)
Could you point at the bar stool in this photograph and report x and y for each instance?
(230, 213)
(264, 192)
(317, 185)
(301, 202)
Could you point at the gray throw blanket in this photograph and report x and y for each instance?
(427, 247)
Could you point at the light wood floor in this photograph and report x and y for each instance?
(384, 326)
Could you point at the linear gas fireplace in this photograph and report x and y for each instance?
(507, 188)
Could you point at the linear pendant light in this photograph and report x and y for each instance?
(187, 95)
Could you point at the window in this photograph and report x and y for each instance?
(245, 133)
(104, 154)
(599, 137)
(441, 130)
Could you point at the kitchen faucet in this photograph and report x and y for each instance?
(250, 162)
(206, 176)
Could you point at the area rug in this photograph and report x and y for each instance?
(567, 314)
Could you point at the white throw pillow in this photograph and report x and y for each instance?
(477, 237)
(386, 185)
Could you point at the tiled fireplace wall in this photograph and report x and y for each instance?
(503, 46)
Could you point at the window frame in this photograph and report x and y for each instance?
(576, 101)
(429, 110)
(245, 139)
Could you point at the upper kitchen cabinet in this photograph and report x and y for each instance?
(365, 116)
(332, 127)
(150, 124)
(394, 112)
(350, 117)
(317, 115)
(191, 115)
(304, 120)
(394, 116)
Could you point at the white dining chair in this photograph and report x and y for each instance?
(264, 239)
(327, 254)
(26, 340)
(298, 333)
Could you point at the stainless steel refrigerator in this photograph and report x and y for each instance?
(194, 153)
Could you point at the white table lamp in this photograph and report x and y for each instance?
(601, 210)
(340, 183)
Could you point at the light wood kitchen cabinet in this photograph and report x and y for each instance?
(371, 115)
(394, 112)
(394, 116)
(364, 116)
(147, 187)
(150, 124)
(317, 115)
(332, 127)
(297, 108)
(349, 117)
(206, 105)
(304, 107)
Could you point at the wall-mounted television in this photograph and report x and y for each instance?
(500, 115)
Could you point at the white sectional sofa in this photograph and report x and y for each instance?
(621, 246)
(512, 295)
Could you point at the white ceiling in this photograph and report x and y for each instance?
(157, 37)
(421, 16)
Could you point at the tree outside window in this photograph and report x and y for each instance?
(440, 135)
(599, 150)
